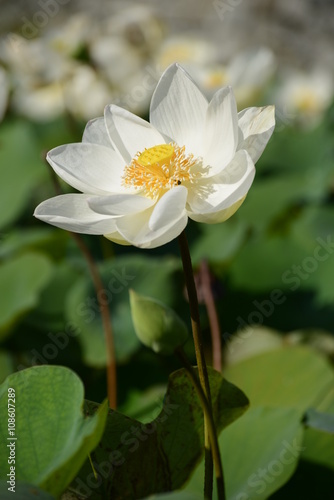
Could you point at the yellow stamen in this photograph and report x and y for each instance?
(160, 168)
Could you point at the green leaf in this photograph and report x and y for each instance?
(21, 281)
(50, 312)
(45, 239)
(262, 340)
(264, 263)
(315, 230)
(175, 495)
(219, 242)
(6, 365)
(144, 405)
(259, 209)
(298, 150)
(141, 459)
(156, 325)
(53, 437)
(259, 452)
(318, 447)
(295, 377)
(152, 276)
(23, 491)
(22, 169)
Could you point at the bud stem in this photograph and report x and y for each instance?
(210, 423)
(200, 358)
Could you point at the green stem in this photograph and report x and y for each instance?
(200, 358)
(210, 423)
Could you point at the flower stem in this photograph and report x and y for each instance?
(105, 315)
(210, 423)
(213, 316)
(202, 369)
(103, 305)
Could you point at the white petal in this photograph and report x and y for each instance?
(117, 238)
(169, 207)
(119, 204)
(162, 238)
(71, 212)
(220, 215)
(96, 133)
(137, 230)
(222, 191)
(128, 133)
(221, 130)
(90, 168)
(256, 126)
(178, 109)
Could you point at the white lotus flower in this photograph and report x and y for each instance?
(141, 181)
(304, 97)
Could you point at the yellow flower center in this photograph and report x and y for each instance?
(306, 101)
(160, 168)
(157, 156)
(216, 78)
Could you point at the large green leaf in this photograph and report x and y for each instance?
(21, 282)
(6, 365)
(23, 491)
(315, 230)
(286, 190)
(176, 495)
(291, 377)
(53, 437)
(44, 239)
(250, 342)
(219, 242)
(50, 312)
(295, 377)
(297, 150)
(318, 447)
(147, 275)
(22, 169)
(144, 405)
(264, 263)
(259, 452)
(135, 459)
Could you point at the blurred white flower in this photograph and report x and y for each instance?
(70, 36)
(141, 181)
(136, 91)
(115, 59)
(138, 26)
(304, 97)
(33, 61)
(4, 90)
(36, 74)
(85, 93)
(190, 50)
(42, 103)
(79, 56)
(249, 73)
